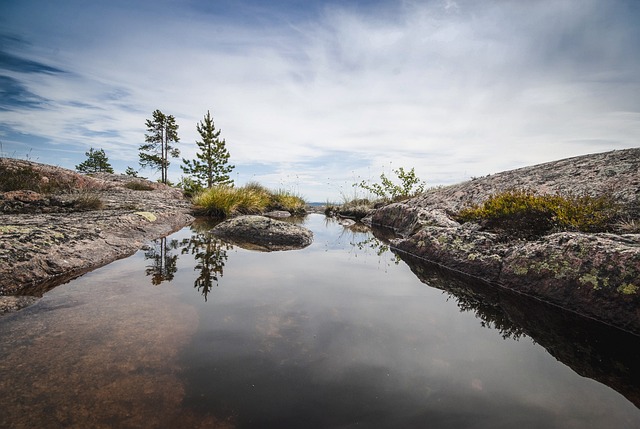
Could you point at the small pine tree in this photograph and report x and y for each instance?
(212, 164)
(97, 162)
(131, 172)
(155, 153)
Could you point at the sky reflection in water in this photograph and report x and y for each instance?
(339, 334)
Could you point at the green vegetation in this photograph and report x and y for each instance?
(155, 153)
(253, 198)
(526, 214)
(96, 162)
(87, 201)
(137, 185)
(386, 191)
(130, 171)
(356, 208)
(410, 185)
(211, 168)
(27, 179)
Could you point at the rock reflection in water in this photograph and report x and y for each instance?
(590, 348)
(336, 335)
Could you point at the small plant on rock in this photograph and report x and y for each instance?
(138, 185)
(409, 186)
(87, 201)
(525, 214)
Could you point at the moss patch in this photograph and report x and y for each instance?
(628, 289)
(147, 215)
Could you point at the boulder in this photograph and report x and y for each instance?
(263, 233)
(594, 275)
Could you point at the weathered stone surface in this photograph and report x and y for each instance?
(617, 172)
(48, 241)
(406, 220)
(461, 249)
(595, 275)
(263, 233)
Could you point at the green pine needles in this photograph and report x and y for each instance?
(96, 162)
(162, 133)
(211, 168)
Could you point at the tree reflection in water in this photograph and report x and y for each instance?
(210, 255)
(164, 263)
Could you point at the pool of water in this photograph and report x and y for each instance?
(193, 332)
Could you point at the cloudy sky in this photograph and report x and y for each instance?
(312, 96)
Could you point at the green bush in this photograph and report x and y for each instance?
(526, 214)
(410, 185)
(137, 185)
(27, 179)
(87, 201)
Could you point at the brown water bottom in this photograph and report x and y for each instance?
(98, 365)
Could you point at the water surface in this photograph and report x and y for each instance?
(193, 332)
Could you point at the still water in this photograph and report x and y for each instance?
(196, 333)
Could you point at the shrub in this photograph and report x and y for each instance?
(526, 214)
(410, 185)
(189, 186)
(284, 200)
(137, 185)
(18, 178)
(88, 201)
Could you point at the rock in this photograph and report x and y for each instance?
(278, 214)
(567, 336)
(45, 240)
(14, 303)
(263, 233)
(594, 275)
(406, 220)
(346, 222)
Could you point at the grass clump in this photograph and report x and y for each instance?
(137, 185)
(87, 201)
(19, 178)
(284, 200)
(253, 198)
(526, 214)
(356, 208)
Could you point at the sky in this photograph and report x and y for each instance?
(313, 96)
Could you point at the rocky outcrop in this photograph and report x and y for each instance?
(594, 275)
(263, 233)
(48, 238)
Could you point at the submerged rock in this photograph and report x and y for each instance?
(263, 233)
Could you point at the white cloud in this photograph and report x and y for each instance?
(455, 89)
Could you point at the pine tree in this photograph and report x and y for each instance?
(96, 162)
(212, 164)
(131, 172)
(155, 153)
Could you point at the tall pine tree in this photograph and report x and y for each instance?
(96, 162)
(212, 164)
(162, 132)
